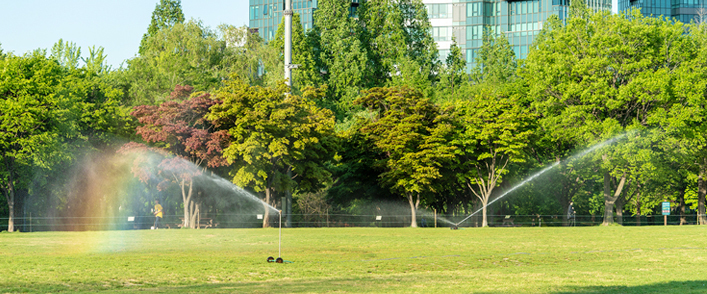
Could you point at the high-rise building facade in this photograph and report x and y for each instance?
(685, 11)
(521, 21)
(266, 15)
(466, 20)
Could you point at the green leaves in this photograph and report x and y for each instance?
(273, 132)
(182, 54)
(410, 131)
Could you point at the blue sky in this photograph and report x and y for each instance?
(115, 25)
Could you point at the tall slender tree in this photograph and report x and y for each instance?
(167, 13)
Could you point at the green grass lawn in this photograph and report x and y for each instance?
(370, 260)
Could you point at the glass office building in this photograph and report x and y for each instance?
(685, 11)
(521, 21)
(266, 15)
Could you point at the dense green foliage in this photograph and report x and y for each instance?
(374, 115)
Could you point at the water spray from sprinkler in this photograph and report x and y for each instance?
(577, 156)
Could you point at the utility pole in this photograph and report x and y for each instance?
(288, 42)
(287, 205)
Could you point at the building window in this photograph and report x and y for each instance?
(442, 34)
(439, 10)
(473, 9)
(474, 32)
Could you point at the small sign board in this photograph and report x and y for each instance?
(131, 218)
(666, 208)
(379, 217)
(260, 216)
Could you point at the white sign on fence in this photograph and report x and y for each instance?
(260, 216)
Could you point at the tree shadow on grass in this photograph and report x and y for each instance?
(352, 285)
(683, 287)
(363, 286)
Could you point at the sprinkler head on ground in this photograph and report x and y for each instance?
(454, 227)
(279, 260)
(271, 259)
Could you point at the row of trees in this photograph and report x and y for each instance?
(374, 115)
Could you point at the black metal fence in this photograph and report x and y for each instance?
(28, 224)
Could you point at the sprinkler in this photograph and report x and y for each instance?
(454, 227)
(279, 246)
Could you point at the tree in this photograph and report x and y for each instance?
(166, 14)
(307, 74)
(602, 76)
(492, 131)
(47, 114)
(191, 143)
(496, 62)
(278, 141)
(67, 54)
(182, 54)
(412, 134)
(683, 124)
(395, 32)
(342, 56)
(249, 57)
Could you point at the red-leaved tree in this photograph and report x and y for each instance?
(187, 143)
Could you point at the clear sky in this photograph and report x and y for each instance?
(115, 25)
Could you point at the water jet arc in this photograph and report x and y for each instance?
(577, 156)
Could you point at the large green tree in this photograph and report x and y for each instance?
(602, 75)
(395, 32)
(493, 129)
(412, 134)
(182, 54)
(342, 55)
(48, 113)
(683, 123)
(278, 141)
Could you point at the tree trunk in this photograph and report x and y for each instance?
(9, 191)
(10, 197)
(186, 198)
(484, 218)
(619, 213)
(621, 203)
(413, 209)
(701, 191)
(638, 205)
(610, 200)
(681, 206)
(11, 216)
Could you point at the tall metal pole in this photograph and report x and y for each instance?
(288, 42)
(287, 207)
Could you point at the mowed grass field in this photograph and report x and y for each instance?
(359, 260)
